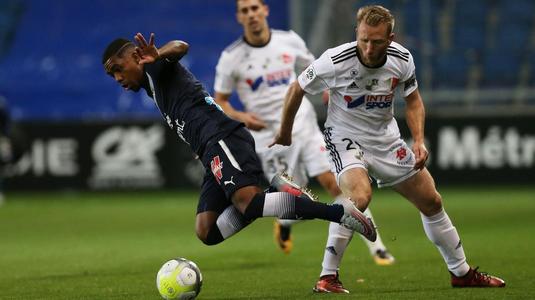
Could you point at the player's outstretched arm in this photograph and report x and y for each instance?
(292, 101)
(415, 115)
(251, 121)
(147, 51)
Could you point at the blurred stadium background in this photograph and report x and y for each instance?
(79, 130)
(74, 129)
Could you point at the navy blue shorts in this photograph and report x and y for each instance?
(230, 164)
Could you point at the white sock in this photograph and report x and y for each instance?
(339, 238)
(378, 244)
(443, 234)
(230, 221)
(337, 242)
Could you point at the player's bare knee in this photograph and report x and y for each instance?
(241, 204)
(362, 199)
(242, 197)
(207, 238)
(433, 204)
(202, 228)
(202, 234)
(437, 201)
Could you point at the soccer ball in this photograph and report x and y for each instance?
(179, 279)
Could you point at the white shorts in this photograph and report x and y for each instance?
(389, 163)
(307, 157)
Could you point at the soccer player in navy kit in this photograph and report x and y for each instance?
(230, 196)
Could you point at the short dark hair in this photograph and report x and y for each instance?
(116, 47)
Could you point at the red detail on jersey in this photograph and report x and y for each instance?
(322, 148)
(394, 83)
(217, 168)
(401, 153)
(348, 98)
(287, 58)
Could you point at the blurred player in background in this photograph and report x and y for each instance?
(6, 150)
(230, 195)
(260, 66)
(363, 137)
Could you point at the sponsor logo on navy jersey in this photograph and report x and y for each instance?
(217, 168)
(231, 181)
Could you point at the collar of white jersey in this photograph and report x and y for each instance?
(259, 46)
(365, 65)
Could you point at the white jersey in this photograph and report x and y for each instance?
(361, 98)
(261, 76)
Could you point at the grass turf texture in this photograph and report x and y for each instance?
(110, 246)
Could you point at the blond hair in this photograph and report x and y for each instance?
(374, 15)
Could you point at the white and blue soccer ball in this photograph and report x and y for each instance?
(179, 278)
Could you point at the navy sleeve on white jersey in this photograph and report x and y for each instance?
(409, 82)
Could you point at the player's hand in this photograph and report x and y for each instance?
(421, 154)
(282, 138)
(146, 51)
(252, 121)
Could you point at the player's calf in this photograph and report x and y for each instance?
(212, 228)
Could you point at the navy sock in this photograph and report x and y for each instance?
(214, 236)
(255, 209)
(307, 209)
(287, 206)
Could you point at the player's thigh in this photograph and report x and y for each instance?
(314, 155)
(355, 184)
(232, 163)
(212, 202)
(345, 154)
(421, 191)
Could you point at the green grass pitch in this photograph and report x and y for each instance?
(110, 246)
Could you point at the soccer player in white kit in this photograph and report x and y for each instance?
(363, 137)
(260, 67)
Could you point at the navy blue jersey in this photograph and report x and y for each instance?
(185, 105)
